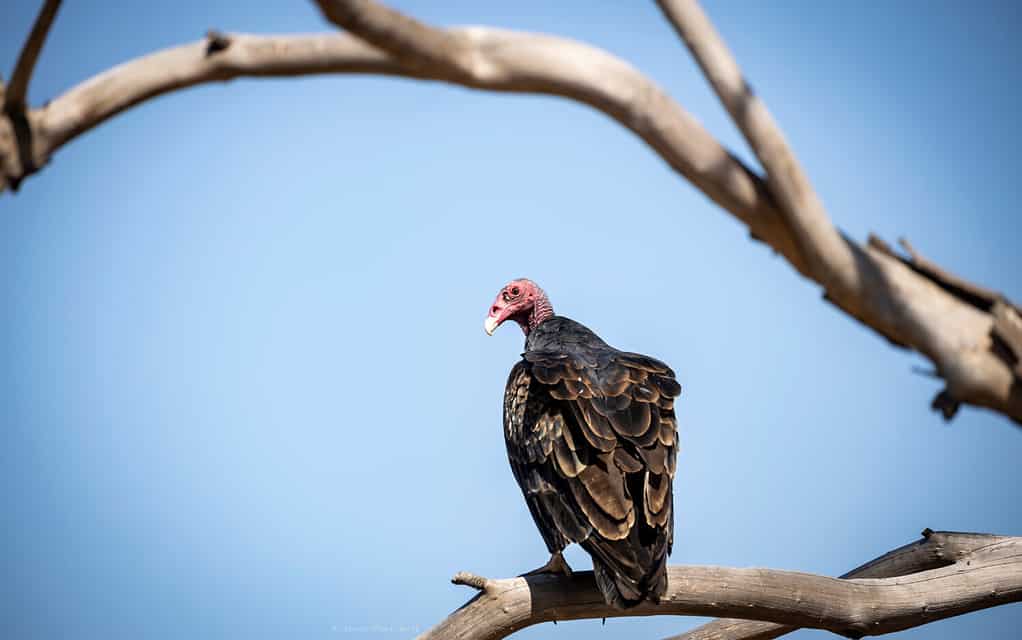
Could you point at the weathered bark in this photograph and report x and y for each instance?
(971, 572)
(936, 549)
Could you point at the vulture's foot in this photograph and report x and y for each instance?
(556, 565)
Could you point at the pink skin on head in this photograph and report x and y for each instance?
(522, 301)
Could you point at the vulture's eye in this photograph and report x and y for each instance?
(514, 291)
(506, 297)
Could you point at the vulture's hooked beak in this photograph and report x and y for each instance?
(491, 325)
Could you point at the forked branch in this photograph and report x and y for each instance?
(830, 259)
(909, 306)
(985, 571)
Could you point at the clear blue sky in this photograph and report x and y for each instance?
(245, 388)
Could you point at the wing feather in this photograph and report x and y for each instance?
(598, 434)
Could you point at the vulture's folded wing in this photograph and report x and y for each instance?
(599, 431)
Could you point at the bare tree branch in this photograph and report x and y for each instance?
(217, 58)
(935, 550)
(406, 39)
(907, 306)
(512, 62)
(830, 259)
(988, 575)
(879, 290)
(17, 88)
(501, 60)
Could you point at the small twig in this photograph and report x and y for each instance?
(878, 243)
(17, 89)
(470, 580)
(974, 294)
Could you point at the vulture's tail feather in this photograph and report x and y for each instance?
(622, 593)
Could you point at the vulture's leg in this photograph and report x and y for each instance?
(556, 564)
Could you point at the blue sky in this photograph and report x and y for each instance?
(245, 386)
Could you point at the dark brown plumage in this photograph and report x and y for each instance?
(592, 440)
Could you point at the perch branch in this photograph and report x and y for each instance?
(907, 307)
(830, 259)
(988, 575)
(936, 549)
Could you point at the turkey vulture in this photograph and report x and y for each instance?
(592, 441)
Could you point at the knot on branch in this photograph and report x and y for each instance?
(945, 404)
(216, 42)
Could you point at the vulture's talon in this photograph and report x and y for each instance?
(556, 565)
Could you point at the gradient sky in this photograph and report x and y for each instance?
(245, 388)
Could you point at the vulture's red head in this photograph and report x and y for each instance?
(522, 301)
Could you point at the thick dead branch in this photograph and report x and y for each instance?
(935, 550)
(987, 575)
(512, 62)
(830, 258)
(880, 291)
(406, 39)
(501, 60)
(217, 58)
(890, 296)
